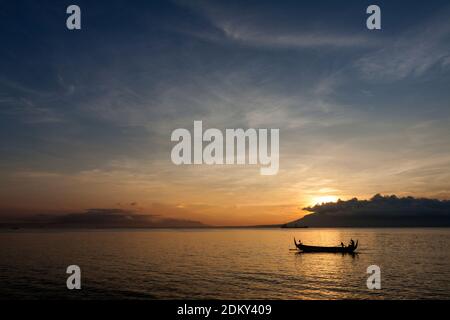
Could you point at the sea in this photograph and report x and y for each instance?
(240, 263)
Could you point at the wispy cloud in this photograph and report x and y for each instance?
(232, 65)
(412, 53)
(252, 36)
(257, 31)
(27, 103)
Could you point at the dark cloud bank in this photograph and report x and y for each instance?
(100, 218)
(379, 211)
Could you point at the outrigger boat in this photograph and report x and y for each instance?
(340, 249)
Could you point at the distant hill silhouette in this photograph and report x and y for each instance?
(379, 211)
(99, 218)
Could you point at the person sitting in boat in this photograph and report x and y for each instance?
(352, 243)
(342, 244)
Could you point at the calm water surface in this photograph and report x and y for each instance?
(224, 264)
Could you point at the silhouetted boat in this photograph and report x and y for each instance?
(340, 249)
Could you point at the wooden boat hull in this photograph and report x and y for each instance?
(305, 248)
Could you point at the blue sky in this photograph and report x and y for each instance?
(359, 111)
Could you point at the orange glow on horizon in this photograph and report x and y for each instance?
(323, 199)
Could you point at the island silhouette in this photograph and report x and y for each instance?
(379, 211)
(98, 218)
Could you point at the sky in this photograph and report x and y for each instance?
(86, 116)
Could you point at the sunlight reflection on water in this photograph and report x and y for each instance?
(224, 264)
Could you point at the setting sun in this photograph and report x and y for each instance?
(323, 199)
